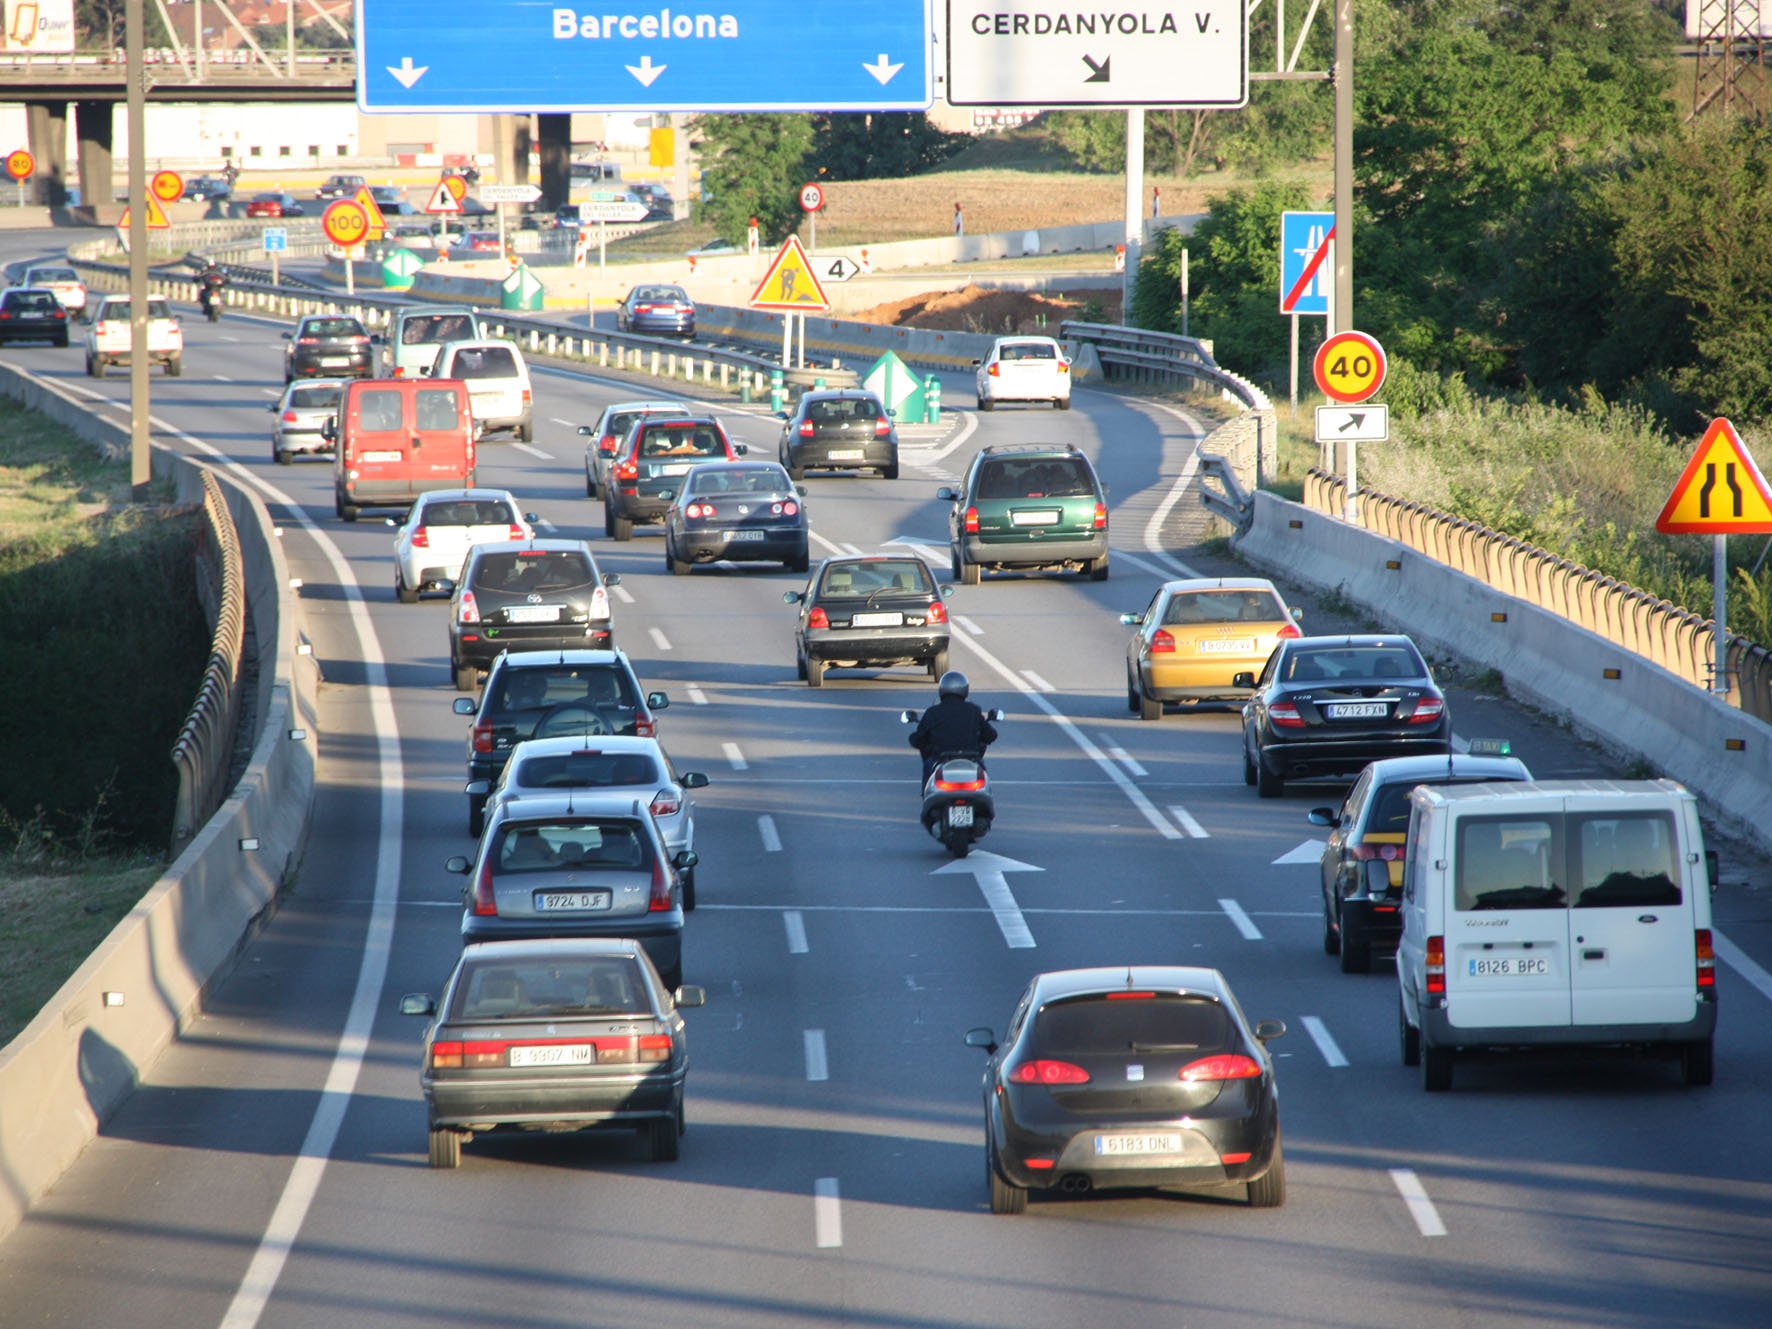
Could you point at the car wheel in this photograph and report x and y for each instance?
(466, 677)
(1408, 1037)
(1005, 1199)
(402, 592)
(1331, 938)
(958, 840)
(1098, 568)
(1132, 692)
(688, 889)
(1268, 1191)
(476, 814)
(888, 472)
(1697, 1062)
(938, 663)
(800, 562)
(1436, 1067)
(815, 673)
(281, 456)
(662, 1134)
(616, 526)
(95, 368)
(526, 432)
(677, 567)
(1149, 708)
(796, 473)
(1249, 773)
(175, 367)
(590, 486)
(1267, 783)
(968, 574)
(1356, 954)
(799, 666)
(984, 403)
(1061, 403)
(349, 511)
(445, 1147)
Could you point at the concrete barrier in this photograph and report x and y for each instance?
(84, 1053)
(1614, 696)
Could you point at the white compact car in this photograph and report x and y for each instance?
(434, 537)
(1023, 369)
(64, 281)
(498, 384)
(108, 339)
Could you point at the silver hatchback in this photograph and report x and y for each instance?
(301, 412)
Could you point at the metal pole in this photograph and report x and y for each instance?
(787, 341)
(197, 35)
(1719, 576)
(1134, 207)
(350, 269)
(290, 36)
(1294, 379)
(1184, 291)
(1343, 309)
(602, 242)
(135, 71)
(802, 358)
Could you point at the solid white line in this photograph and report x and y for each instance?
(771, 839)
(1037, 681)
(1421, 1209)
(818, 1066)
(557, 420)
(1741, 964)
(221, 378)
(1125, 759)
(222, 336)
(1153, 530)
(827, 1214)
(1324, 1040)
(696, 695)
(659, 639)
(795, 922)
(533, 452)
(854, 551)
(969, 625)
(734, 756)
(1244, 923)
(622, 593)
(1185, 820)
(995, 888)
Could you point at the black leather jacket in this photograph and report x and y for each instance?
(953, 724)
(212, 279)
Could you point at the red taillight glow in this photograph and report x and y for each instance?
(627, 470)
(882, 428)
(1231, 1159)
(1043, 1071)
(645, 727)
(1100, 516)
(1284, 715)
(607, 443)
(697, 510)
(653, 1047)
(1039, 1164)
(785, 509)
(660, 899)
(807, 429)
(971, 521)
(421, 538)
(1707, 958)
(1224, 1066)
(469, 612)
(1162, 643)
(483, 737)
(1387, 852)
(1289, 630)
(994, 371)
(289, 417)
(665, 803)
(1436, 965)
(818, 618)
(485, 902)
(959, 786)
(515, 532)
(307, 341)
(938, 612)
(1428, 710)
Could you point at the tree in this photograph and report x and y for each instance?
(100, 23)
(880, 145)
(753, 166)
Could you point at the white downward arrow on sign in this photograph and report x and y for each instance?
(882, 70)
(407, 73)
(646, 71)
(989, 870)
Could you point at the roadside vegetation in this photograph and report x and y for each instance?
(108, 645)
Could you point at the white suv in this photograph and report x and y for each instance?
(498, 384)
(434, 537)
(108, 339)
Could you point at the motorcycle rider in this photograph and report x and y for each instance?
(210, 283)
(953, 726)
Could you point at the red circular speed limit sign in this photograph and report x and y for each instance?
(20, 165)
(1350, 366)
(345, 223)
(811, 198)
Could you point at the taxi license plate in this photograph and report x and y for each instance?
(1534, 966)
(1359, 710)
(560, 1054)
(554, 902)
(744, 535)
(1227, 646)
(1163, 1143)
(846, 454)
(959, 815)
(878, 620)
(1034, 518)
(533, 614)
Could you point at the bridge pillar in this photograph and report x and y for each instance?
(511, 166)
(93, 126)
(555, 133)
(46, 127)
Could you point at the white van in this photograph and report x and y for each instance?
(498, 383)
(1556, 912)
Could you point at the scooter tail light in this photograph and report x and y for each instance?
(958, 786)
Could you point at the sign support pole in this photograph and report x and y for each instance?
(1294, 318)
(1719, 575)
(1184, 300)
(801, 359)
(351, 270)
(276, 278)
(602, 244)
(787, 341)
(135, 66)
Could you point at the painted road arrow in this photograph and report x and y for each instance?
(990, 870)
(1099, 73)
(1311, 851)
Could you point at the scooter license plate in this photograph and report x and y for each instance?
(960, 814)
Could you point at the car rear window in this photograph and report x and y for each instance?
(505, 989)
(119, 309)
(681, 440)
(1031, 350)
(32, 301)
(484, 362)
(315, 397)
(860, 580)
(333, 327)
(563, 846)
(740, 480)
(1223, 606)
(1122, 1023)
(539, 570)
(660, 295)
(837, 410)
(1344, 664)
(578, 770)
(1031, 477)
(50, 274)
(469, 512)
(536, 688)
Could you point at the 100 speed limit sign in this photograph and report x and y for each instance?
(811, 198)
(1349, 367)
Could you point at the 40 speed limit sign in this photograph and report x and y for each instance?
(345, 223)
(1349, 367)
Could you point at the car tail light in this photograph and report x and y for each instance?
(527, 396)
(971, 522)
(807, 429)
(515, 532)
(357, 341)
(1064, 366)
(660, 898)
(938, 612)
(627, 470)
(599, 603)
(1224, 1066)
(789, 508)
(818, 618)
(398, 372)
(1284, 715)
(485, 902)
(307, 341)
(1427, 710)
(5, 313)
(1044, 1071)
(645, 727)
(470, 609)
(959, 786)
(467, 1056)
(1436, 965)
(1707, 958)
(1230, 1160)
(882, 427)
(1041, 1164)
(608, 443)
(58, 312)
(1162, 643)
(666, 803)
(1100, 516)
(1288, 630)
(994, 371)
(652, 1047)
(289, 417)
(696, 510)
(421, 538)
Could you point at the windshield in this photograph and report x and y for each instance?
(506, 989)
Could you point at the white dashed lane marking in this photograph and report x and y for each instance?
(1039, 684)
(818, 1066)
(766, 829)
(827, 1213)
(1245, 924)
(1185, 820)
(795, 923)
(1421, 1209)
(622, 593)
(1324, 1040)
(1125, 758)
(696, 695)
(735, 756)
(659, 639)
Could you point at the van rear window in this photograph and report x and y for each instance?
(422, 329)
(1624, 860)
(439, 408)
(1507, 863)
(379, 408)
(484, 362)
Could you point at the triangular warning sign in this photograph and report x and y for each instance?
(789, 285)
(157, 219)
(1721, 491)
(443, 199)
(378, 224)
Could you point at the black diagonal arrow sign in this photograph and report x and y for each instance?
(1098, 73)
(1354, 420)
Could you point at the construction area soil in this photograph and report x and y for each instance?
(995, 311)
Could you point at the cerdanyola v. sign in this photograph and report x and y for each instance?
(1113, 53)
(643, 55)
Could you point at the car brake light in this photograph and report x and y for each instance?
(938, 612)
(882, 427)
(818, 618)
(445, 1056)
(1101, 516)
(1284, 715)
(660, 899)
(645, 727)
(307, 341)
(483, 737)
(807, 429)
(665, 803)
(1224, 1066)
(627, 470)
(1388, 853)
(515, 532)
(1707, 958)
(994, 372)
(1064, 366)
(652, 1047)
(485, 902)
(470, 609)
(421, 538)
(787, 509)
(1162, 643)
(607, 443)
(58, 313)
(1427, 710)
(698, 510)
(972, 521)
(399, 372)
(289, 417)
(527, 398)
(1042, 1071)
(1289, 630)
(1436, 965)
(599, 603)
(470, 1056)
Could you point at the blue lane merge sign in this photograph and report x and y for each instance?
(642, 55)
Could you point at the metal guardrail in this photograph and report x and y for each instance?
(1229, 501)
(204, 750)
(1133, 354)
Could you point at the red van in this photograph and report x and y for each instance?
(398, 438)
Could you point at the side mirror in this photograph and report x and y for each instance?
(1322, 817)
(395, 522)
(272, 408)
(981, 1037)
(477, 788)
(690, 995)
(464, 706)
(686, 858)
(458, 864)
(947, 494)
(907, 717)
(667, 494)
(288, 335)
(609, 578)
(586, 430)
(1375, 876)
(800, 490)
(1131, 620)
(417, 1003)
(946, 591)
(693, 780)
(783, 415)
(792, 597)
(995, 714)
(657, 700)
(375, 339)
(740, 449)
(1298, 615)
(977, 363)
(1245, 679)
(1268, 1030)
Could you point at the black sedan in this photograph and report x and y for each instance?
(1325, 706)
(737, 512)
(328, 346)
(530, 595)
(554, 1035)
(843, 430)
(1130, 1077)
(663, 310)
(873, 612)
(29, 313)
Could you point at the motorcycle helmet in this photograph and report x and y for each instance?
(953, 684)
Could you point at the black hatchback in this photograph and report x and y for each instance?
(29, 313)
(845, 430)
(328, 346)
(872, 612)
(527, 595)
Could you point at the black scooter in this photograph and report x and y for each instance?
(210, 297)
(957, 804)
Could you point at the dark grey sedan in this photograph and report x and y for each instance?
(737, 512)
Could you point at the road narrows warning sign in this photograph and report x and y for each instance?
(1721, 491)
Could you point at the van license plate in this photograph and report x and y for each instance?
(1533, 966)
(1359, 710)
(1034, 518)
(960, 814)
(381, 456)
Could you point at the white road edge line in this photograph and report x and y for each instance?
(622, 593)
(1421, 1209)
(735, 756)
(1153, 530)
(771, 837)
(1324, 1040)
(818, 1066)
(827, 1213)
(1185, 820)
(795, 923)
(1037, 681)
(1245, 924)
(969, 625)
(533, 452)
(659, 639)
(1741, 963)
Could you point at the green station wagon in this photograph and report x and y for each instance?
(1027, 509)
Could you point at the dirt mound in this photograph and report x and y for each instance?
(981, 309)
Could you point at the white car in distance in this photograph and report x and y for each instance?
(64, 281)
(433, 539)
(1027, 369)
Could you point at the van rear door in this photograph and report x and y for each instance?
(1507, 924)
(443, 433)
(374, 443)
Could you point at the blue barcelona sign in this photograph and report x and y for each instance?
(517, 56)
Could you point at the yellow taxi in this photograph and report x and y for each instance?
(1196, 635)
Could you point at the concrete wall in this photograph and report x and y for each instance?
(84, 1053)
